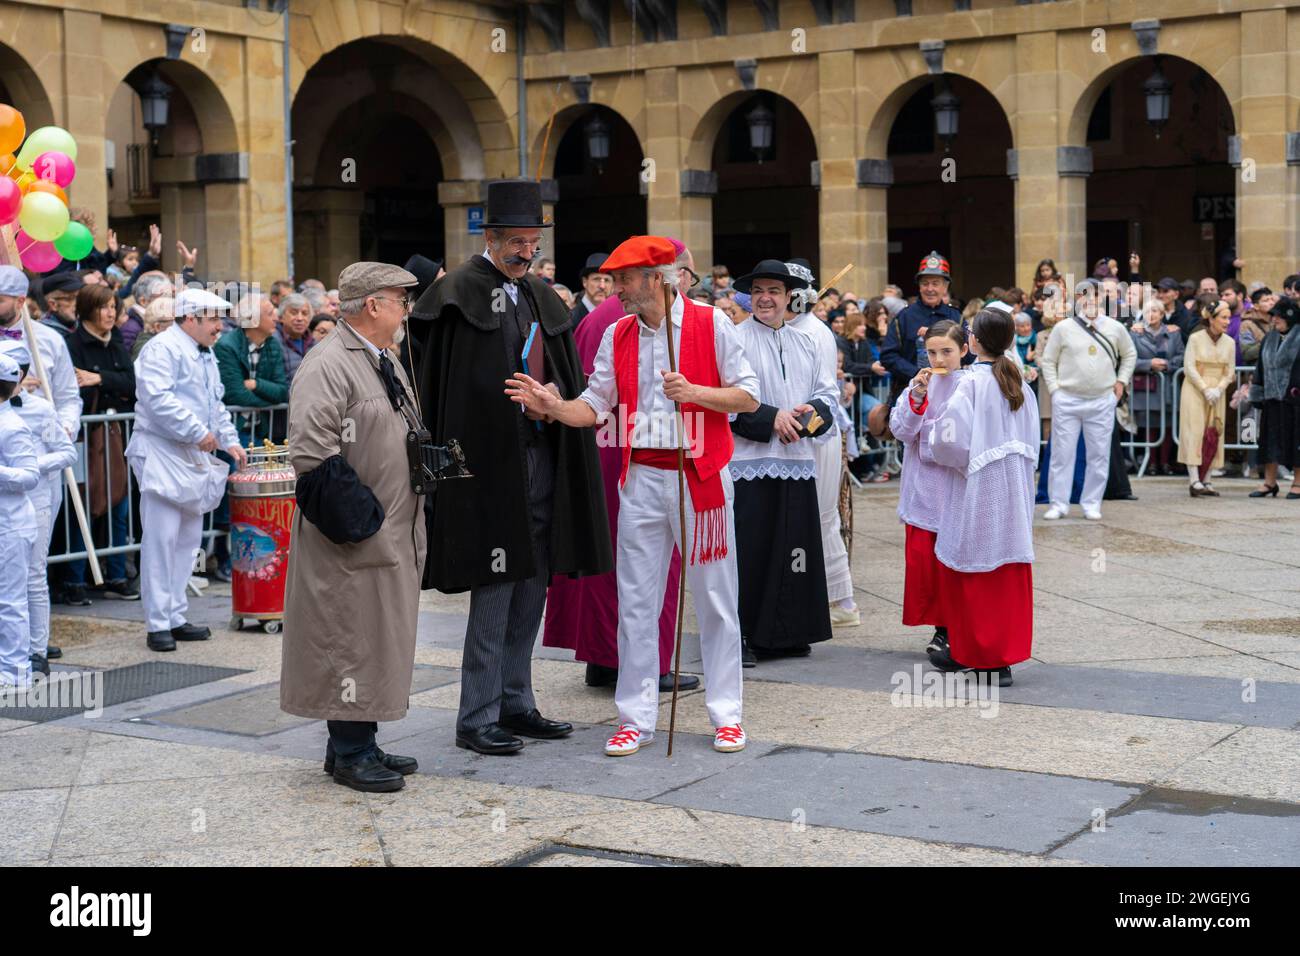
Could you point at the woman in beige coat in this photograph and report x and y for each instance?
(357, 546)
(1209, 365)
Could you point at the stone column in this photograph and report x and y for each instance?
(871, 270)
(679, 202)
(1266, 227)
(1050, 208)
(264, 243)
(842, 232)
(457, 197)
(84, 108)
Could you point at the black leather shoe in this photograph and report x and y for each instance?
(191, 632)
(747, 656)
(938, 641)
(53, 652)
(40, 665)
(402, 765)
(533, 724)
(490, 740)
(161, 641)
(1128, 497)
(369, 775)
(684, 682)
(942, 660)
(598, 676)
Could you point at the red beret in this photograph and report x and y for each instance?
(641, 252)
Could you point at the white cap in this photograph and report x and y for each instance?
(16, 350)
(13, 281)
(997, 305)
(9, 370)
(193, 301)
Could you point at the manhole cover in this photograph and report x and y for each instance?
(69, 693)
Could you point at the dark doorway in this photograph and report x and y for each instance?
(768, 209)
(907, 247)
(600, 203)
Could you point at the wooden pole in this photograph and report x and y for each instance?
(69, 480)
(834, 279)
(681, 517)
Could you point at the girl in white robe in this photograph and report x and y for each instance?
(988, 438)
(923, 485)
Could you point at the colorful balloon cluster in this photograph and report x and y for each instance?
(34, 172)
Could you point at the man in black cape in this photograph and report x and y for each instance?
(535, 504)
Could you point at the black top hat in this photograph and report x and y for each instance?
(770, 269)
(594, 262)
(426, 270)
(515, 204)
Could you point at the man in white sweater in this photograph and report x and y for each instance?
(1087, 365)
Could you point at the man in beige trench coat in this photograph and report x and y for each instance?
(357, 546)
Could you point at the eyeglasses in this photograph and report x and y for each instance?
(518, 242)
(695, 278)
(405, 302)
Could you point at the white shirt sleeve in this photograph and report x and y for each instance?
(733, 367)
(602, 391)
(63, 386)
(59, 452)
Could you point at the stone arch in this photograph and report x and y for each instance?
(699, 151)
(337, 24)
(24, 89)
(565, 118)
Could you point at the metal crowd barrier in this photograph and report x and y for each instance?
(247, 421)
(1246, 436)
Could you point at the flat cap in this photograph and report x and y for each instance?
(13, 281)
(366, 278)
(62, 282)
(192, 301)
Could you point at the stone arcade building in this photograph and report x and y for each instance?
(864, 131)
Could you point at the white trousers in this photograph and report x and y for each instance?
(15, 628)
(38, 588)
(1096, 417)
(839, 580)
(648, 527)
(169, 539)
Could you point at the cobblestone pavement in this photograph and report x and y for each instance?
(1158, 723)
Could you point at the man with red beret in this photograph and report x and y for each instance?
(633, 380)
(582, 613)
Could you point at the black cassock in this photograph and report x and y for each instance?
(779, 561)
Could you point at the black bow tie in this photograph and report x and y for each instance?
(204, 348)
(16, 401)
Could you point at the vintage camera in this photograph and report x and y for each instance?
(432, 463)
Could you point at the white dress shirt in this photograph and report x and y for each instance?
(656, 424)
(790, 372)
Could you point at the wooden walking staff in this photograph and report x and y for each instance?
(9, 255)
(681, 516)
(834, 279)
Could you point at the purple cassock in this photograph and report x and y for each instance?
(582, 614)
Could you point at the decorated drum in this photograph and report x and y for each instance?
(261, 513)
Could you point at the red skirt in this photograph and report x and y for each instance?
(989, 614)
(921, 582)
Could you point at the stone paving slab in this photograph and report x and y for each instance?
(944, 802)
(1105, 689)
(1170, 828)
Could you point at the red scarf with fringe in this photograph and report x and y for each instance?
(708, 452)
